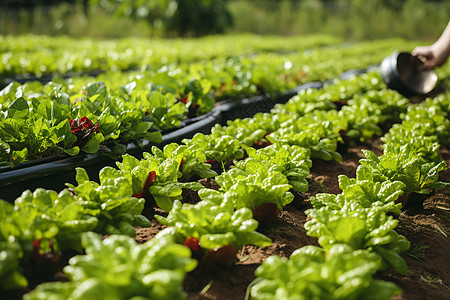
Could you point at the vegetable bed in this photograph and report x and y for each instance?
(427, 228)
(349, 181)
(425, 225)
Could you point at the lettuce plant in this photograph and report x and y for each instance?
(271, 121)
(404, 164)
(293, 160)
(164, 112)
(36, 218)
(346, 89)
(110, 201)
(389, 103)
(155, 178)
(191, 160)
(428, 120)
(82, 128)
(426, 147)
(425, 127)
(442, 102)
(11, 276)
(363, 191)
(253, 183)
(34, 129)
(123, 118)
(221, 148)
(55, 122)
(51, 215)
(305, 102)
(252, 131)
(363, 119)
(118, 268)
(318, 132)
(247, 131)
(198, 96)
(331, 96)
(213, 222)
(11, 235)
(313, 273)
(361, 228)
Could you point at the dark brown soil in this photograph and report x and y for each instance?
(427, 228)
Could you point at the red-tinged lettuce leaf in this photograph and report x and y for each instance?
(85, 131)
(266, 213)
(43, 263)
(148, 182)
(193, 244)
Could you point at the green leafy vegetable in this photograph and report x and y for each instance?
(293, 160)
(214, 222)
(404, 164)
(312, 273)
(118, 268)
(363, 191)
(111, 201)
(191, 160)
(222, 148)
(318, 132)
(164, 186)
(254, 182)
(361, 228)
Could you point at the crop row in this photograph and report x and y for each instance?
(43, 55)
(356, 228)
(35, 126)
(37, 56)
(256, 187)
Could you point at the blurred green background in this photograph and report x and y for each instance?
(349, 19)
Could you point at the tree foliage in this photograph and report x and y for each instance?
(174, 17)
(166, 17)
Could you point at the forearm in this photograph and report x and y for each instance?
(442, 45)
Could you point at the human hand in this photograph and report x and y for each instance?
(430, 56)
(436, 54)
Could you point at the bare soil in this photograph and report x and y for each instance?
(426, 227)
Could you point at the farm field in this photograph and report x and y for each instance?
(309, 156)
(428, 273)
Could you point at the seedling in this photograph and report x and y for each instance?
(417, 251)
(429, 279)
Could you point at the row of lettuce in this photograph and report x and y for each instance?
(354, 228)
(30, 55)
(45, 55)
(53, 123)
